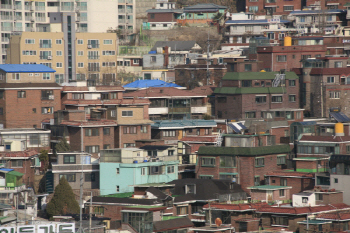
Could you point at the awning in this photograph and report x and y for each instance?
(15, 173)
(340, 117)
(237, 127)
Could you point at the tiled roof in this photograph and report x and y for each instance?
(107, 102)
(290, 174)
(302, 210)
(14, 154)
(183, 124)
(97, 88)
(206, 90)
(334, 216)
(244, 151)
(172, 224)
(325, 138)
(238, 207)
(26, 68)
(164, 92)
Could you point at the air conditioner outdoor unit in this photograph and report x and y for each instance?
(51, 97)
(49, 57)
(89, 46)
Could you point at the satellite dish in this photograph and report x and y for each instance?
(218, 222)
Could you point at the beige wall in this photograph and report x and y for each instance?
(137, 113)
(28, 78)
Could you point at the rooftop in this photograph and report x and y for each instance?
(26, 68)
(164, 92)
(256, 75)
(180, 124)
(244, 151)
(138, 84)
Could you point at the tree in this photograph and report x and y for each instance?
(62, 145)
(44, 158)
(63, 200)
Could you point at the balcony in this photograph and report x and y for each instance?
(40, 8)
(8, 189)
(18, 29)
(28, 7)
(184, 110)
(121, 1)
(129, 21)
(121, 20)
(40, 19)
(6, 6)
(67, 8)
(18, 7)
(128, 1)
(5, 39)
(77, 167)
(202, 109)
(94, 57)
(158, 110)
(6, 28)
(148, 159)
(129, 11)
(6, 17)
(4, 51)
(82, 19)
(18, 17)
(121, 11)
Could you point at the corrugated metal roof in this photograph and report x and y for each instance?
(149, 83)
(26, 68)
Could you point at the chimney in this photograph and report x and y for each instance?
(166, 56)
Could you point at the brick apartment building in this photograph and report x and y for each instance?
(245, 165)
(272, 7)
(252, 95)
(33, 90)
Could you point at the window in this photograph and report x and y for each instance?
(322, 180)
(30, 41)
(90, 177)
(154, 170)
(129, 129)
(108, 64)
(28, 52)
(117, 189)
(80, 42)
(277, 99)
(292, 83)
(80, 64)
(16, 163)
(21, 94)
(329, 18)
(257, 180)
(283, 182)
(59, 41)
(153, 59)
(253, 9)
(45, 55)
(15, 76)
(126, 145)
(338, 64)
(1, 94)
(169, 133)
(113, 113)
(281, 159)
(250, 114)
(259, 162)
(106, 131)
(288, 8)
(334, 94)
(46, 95)
(182, 210)
(143, 171)
(260, 99)
(117, 171)
(59, 65)
(93, 44)
(58, 53)
(94, 66)
(248, 67)
(319, 196)
(92, 149)
(330, 79)
(190, 188)
(92, 132)
(227, 161)
(282, 193)
(170, 152)
(246, 83)
(281, 58)
(47, 110)
(45, 43)
(206, 177)
(135, 61)
(69, 159)
(170, 169)
(107, 41)
(106, 146)
(280, 221)
(68, 177)
(93, 55)
(127, 113)
(46, 76)
(108, 53)
(80, 53)
(144, 129)
(208, 162)
(292, 98)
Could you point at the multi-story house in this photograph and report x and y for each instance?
(163, 17)
(132, 166)
(318, 21)
(258, 95)
(172, 131)
(272, 7)
(173, 103)
(74, 56)
(33, 89)
(73, 165)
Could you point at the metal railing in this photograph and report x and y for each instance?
(149, 159)
(6, 6)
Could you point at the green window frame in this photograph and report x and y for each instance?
(208, 161)
(281, 159)
(259, 162)
(227, 161)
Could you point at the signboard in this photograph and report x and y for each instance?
(48, 228)
(277, 20)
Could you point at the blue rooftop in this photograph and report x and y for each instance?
(6, 169)
(149, 83)
(26, 68)
(184, 124)
(260, 21)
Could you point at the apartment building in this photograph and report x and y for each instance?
(272, 7)
(32, 88)
(87, 16)
(84, 56)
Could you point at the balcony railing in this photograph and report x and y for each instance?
(149, 159)
(28, 8)
(180, 110)
(6, 17)
(39, 8)
(18, 7)
(129, 1)
(121, 20)
(13, 189)
(129, 10)
(5, 39)
(6, 6)
(4, 51)
(94, 57)
(121, 10)
(121, 1)
(18, 29)
(6, 28)
(40, 19)
(42, 45)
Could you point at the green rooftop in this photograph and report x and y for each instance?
(119, 195)
(244, 151)
(256, 75)
(169, 217)
(249, 90)
(311, 158)
(144, 206)
(269, 187)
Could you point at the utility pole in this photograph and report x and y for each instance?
(90, 212)
(208, 57)
(81, 200)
